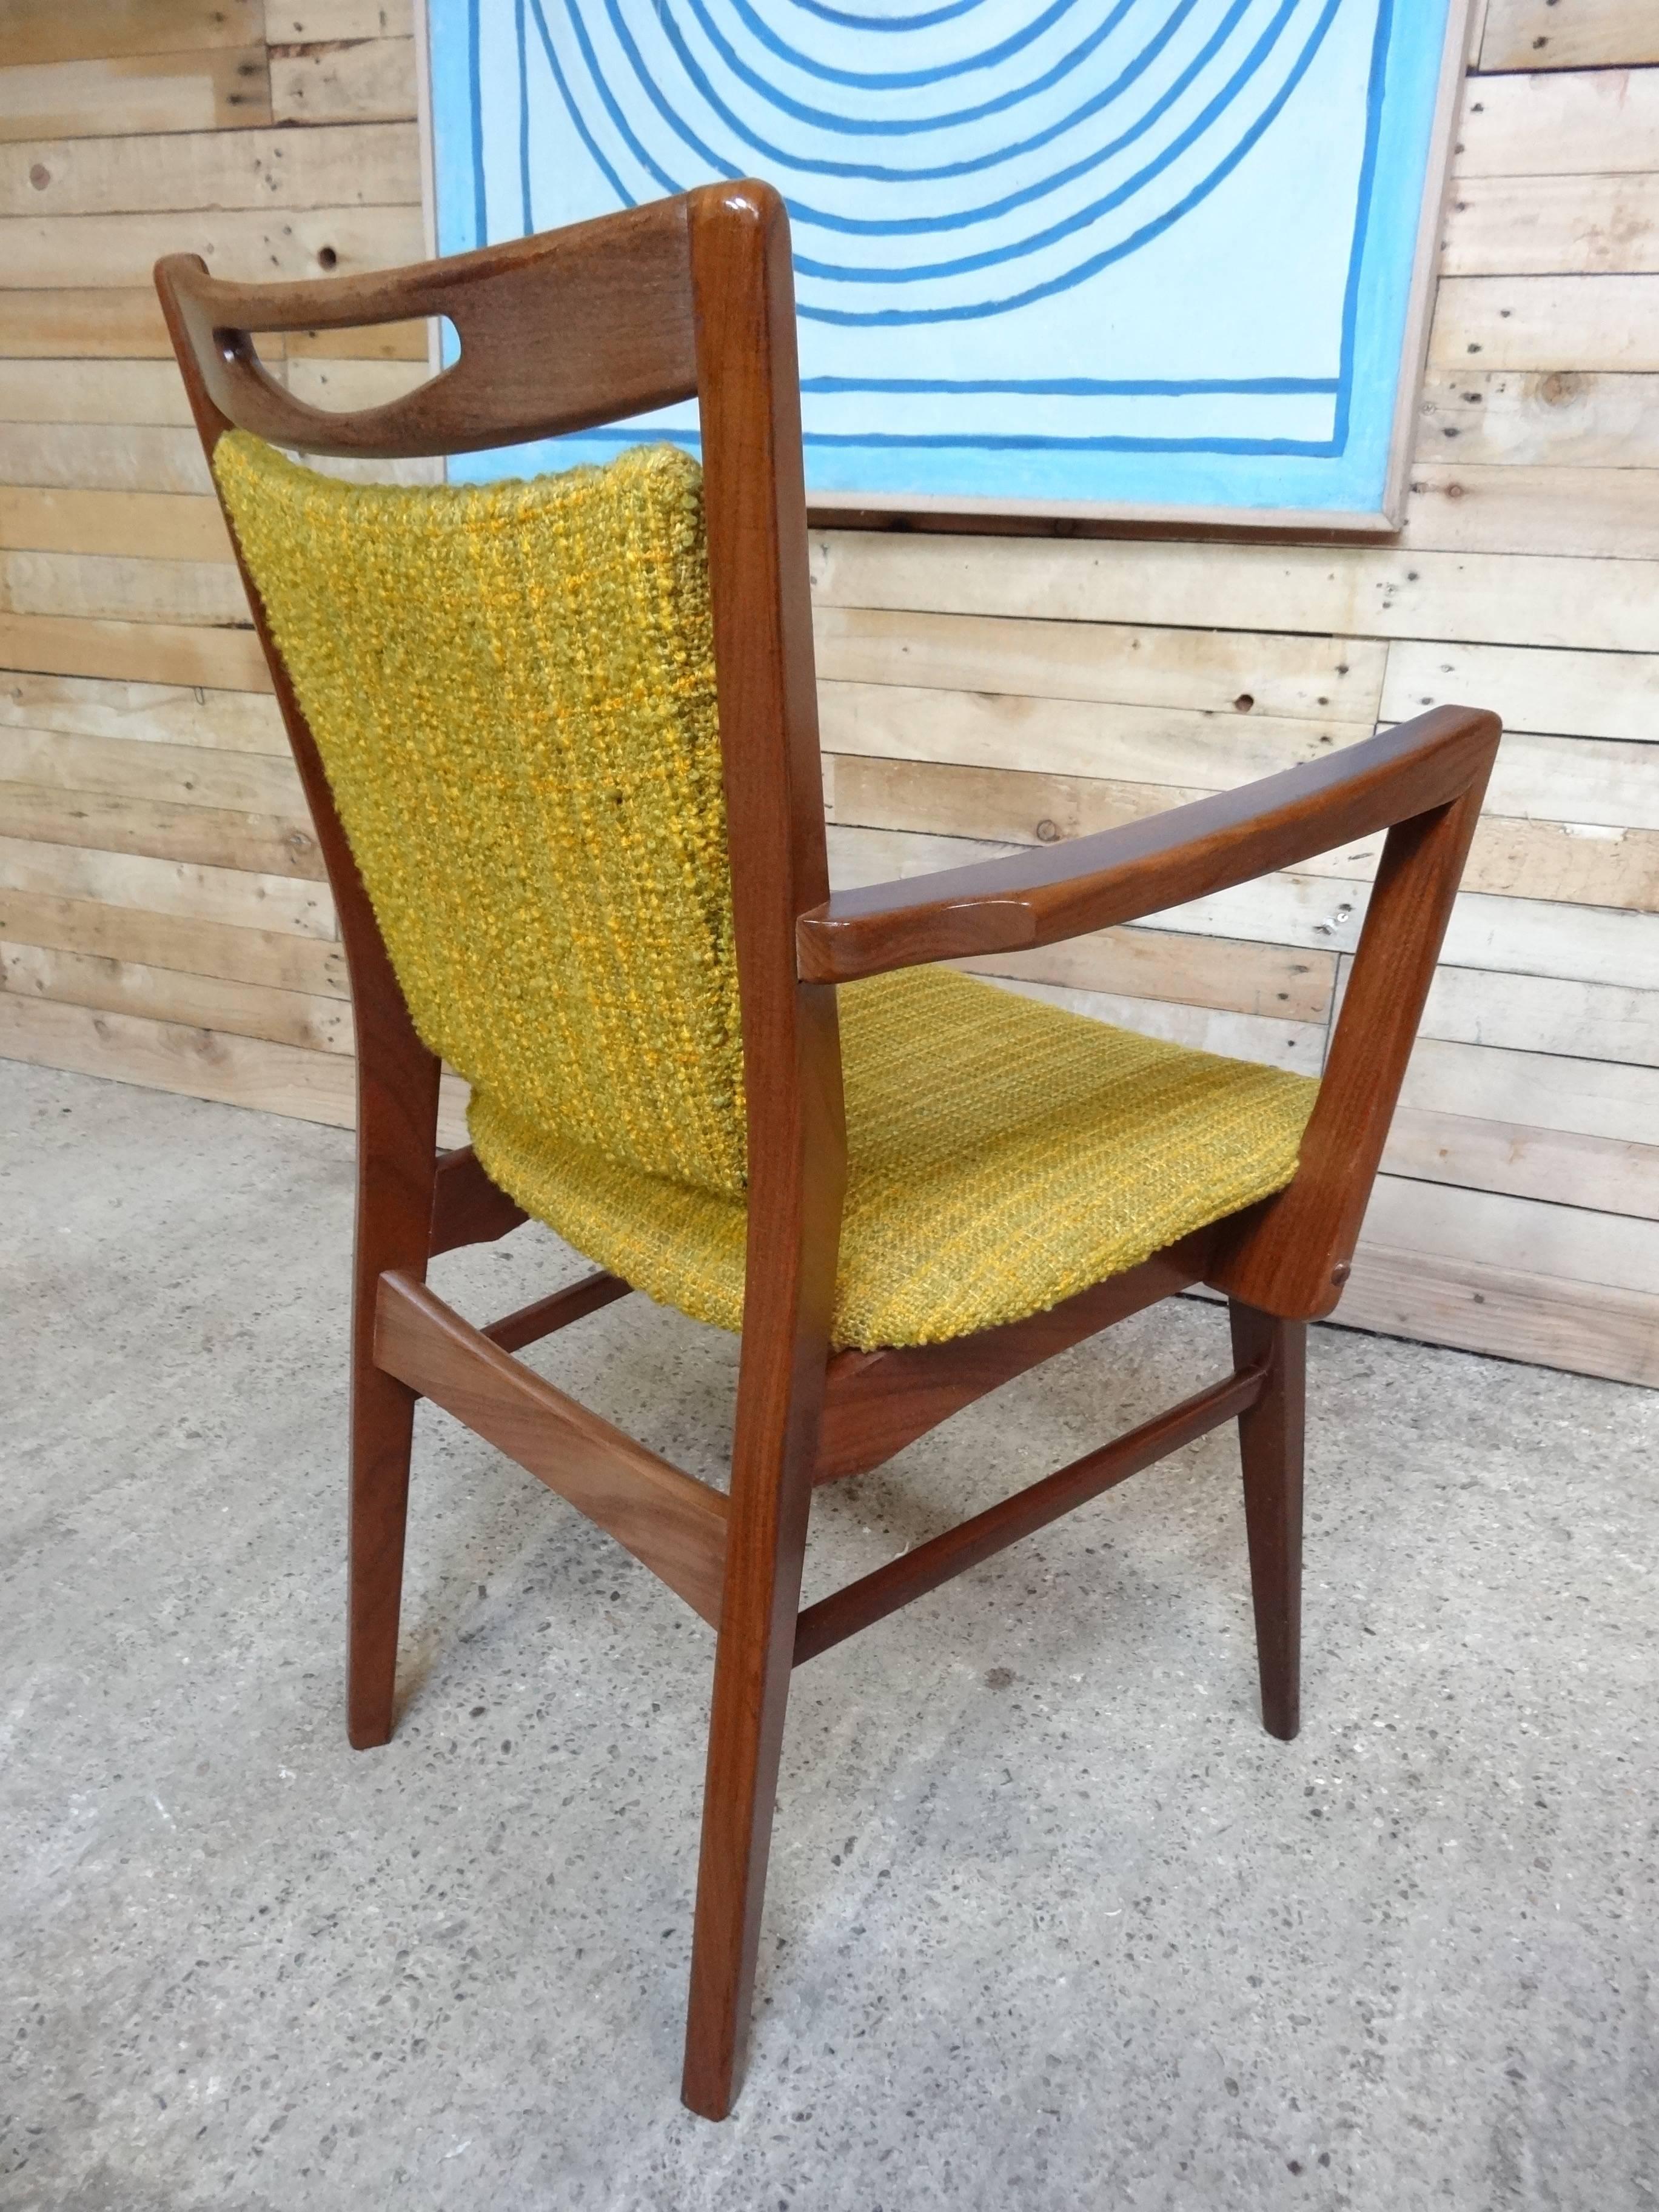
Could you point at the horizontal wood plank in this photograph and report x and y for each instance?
(93, 30)
(245, 900)
(1152, 964)
(151, 714)
(91, 457)
(1546, 693)
(309, 22)
(122, 589)
(246, 243)
(201, 1063)
(125, 323)
(1589, 1097)
(1003, 805)
(1546, 322)
(1601, 513)
(125, 986)
(380, 342)
(181, 775)
(1553, 418)
(118, 322)
(1329, 591)
(273, 958)
(1594, 226)
(1571, 1243)
(1558, 124)
(359, 80)
(1560, 1166)
(162, 526)
(454, 1095)
(1590, 695)
(1067, 736)
(219, 837)
(144, 652)
(213, 88)
(338, 164)
(1550, 779)
(1323, 680)
(1580, 864)
(1585, 1329)
(323, 380)
(1537, 778)
(1545, 1014)
(104, 391)
(1552, 34)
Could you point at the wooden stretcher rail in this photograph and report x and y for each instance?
(557, 1311)
(942, 1558)
(673, 1523)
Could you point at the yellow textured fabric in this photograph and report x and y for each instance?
(512, 689)
(1002, 1155)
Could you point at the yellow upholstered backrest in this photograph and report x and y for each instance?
(512, 690)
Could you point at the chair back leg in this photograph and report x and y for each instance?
(780, 1403)
(1270, 1443)
(397, 1172)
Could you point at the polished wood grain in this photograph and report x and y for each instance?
(467, 1208)
(529, 1324)
(397, 1141)
(1270, 1447)
(558, 332)
(1046, 892)
(877, 1402)
(755, 504)
(943, 1558)
(669, 1520)
(1292, 1258)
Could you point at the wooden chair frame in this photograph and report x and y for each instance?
(694, 297)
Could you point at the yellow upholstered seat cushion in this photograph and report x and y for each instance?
(1002, 1155)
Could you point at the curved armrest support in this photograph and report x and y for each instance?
(1053, 891)
(1291, 1256)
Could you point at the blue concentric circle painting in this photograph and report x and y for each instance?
(1106, 255)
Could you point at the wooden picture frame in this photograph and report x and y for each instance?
(1330, 465)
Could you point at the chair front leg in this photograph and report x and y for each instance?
(396, 1170)
(1270, 1446)
(775, 1454)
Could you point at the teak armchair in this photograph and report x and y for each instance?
(693, 297)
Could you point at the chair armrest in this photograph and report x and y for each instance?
(1053, 891)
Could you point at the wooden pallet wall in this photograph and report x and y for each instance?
(162, 913)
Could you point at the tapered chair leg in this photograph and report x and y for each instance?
(1270, 1443)
(771, 1503)
(396, 1168)
(382, 1430)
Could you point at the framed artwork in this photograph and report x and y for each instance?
(1146, 259)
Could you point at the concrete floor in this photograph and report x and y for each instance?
(1052, 1922)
